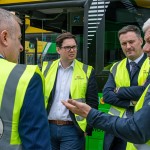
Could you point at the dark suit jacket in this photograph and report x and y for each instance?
(135, 129)
(91, 99)
(123, 96)
(33, 125)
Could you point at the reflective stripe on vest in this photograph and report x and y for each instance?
(78, 86)
(8, 101)
(131, 146)
(139, 105)
(122, 79)
(113, 111)
(12, 91)
(47, 68)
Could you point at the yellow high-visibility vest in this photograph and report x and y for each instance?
(78, 87)
(139, 105)
(15, 79)
(122, 79)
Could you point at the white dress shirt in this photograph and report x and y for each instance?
(136, 61)
(1, 55)
(58, 111)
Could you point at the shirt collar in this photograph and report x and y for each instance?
(1, 56)
(72, 65)
(138, 59)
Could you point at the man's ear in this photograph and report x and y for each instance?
(58, 50)
(4, 37)
(141, 39)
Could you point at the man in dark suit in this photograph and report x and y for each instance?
(127, 81)
(135, 129)
(23, 118)
(68, 78)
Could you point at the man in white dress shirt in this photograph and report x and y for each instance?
(68, 78)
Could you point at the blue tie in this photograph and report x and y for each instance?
(133, 69)
(130, 110)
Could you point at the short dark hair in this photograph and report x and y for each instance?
(130, 28)
(63, 36)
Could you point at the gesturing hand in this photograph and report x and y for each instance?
(79, 108)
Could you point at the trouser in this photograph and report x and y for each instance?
(113, 143)
(66, 137)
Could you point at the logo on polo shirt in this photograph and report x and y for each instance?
(1, 128)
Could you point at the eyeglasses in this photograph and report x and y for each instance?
(68, 48)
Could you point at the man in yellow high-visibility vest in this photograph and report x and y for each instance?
(68, 78)
(127, 80)
(23, 117)
(135, 129)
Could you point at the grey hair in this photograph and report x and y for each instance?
(146, 25)
(7, 20)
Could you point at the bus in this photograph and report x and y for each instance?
(45, 49)
(94, 22)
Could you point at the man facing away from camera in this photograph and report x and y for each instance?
(23, 118)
